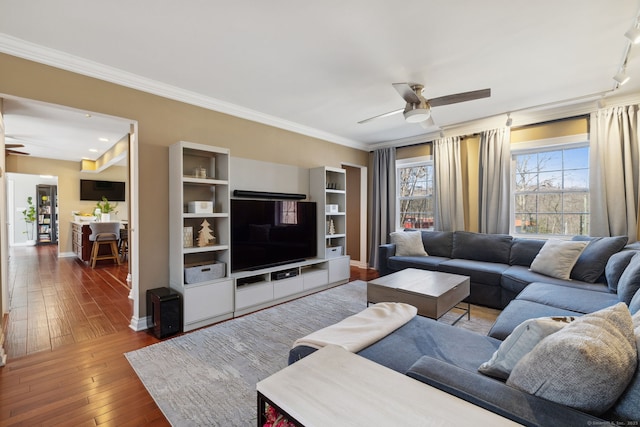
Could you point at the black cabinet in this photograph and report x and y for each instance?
(164, 306)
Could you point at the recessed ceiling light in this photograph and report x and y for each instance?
(93, 150)
(87, 115)
(103, 139)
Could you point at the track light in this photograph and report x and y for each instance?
(621, 77)
(509, 120)
(633, 35)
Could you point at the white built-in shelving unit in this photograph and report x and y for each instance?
(200, 173)
(328, 188)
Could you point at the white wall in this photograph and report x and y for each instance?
(24, 185)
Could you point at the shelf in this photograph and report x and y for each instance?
(332, 191)
(198, 249)
(336, 214)
(206, 215)
(203, 181)
(334, 236)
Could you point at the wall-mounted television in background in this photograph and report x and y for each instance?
(114, 191)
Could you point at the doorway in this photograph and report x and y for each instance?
(18, 110)
(356, 178)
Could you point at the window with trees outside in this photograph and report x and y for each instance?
(551, 194)
(415, 193)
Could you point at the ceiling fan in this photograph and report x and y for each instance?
(418, 108)
(9, 149)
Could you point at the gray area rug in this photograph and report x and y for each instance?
(208, 377)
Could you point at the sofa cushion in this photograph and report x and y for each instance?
(592, 261)
(568, 298)
(523, 251)
(634, 305)
(629, 281)
(520, 342)
(616, 266)
(487, 273)
(438, 243)
(423, 336)
(557, 258)
(517, 277)
(408, 243)
(397, 263)
(517, 311)
(587, 365)
(481, 247)
(627, 408)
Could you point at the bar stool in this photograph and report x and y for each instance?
(104, 233)
(123, 246)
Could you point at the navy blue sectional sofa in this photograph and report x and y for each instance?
(498, 264)
(448, 358)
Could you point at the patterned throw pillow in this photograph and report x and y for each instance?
(586, 365)
(520, 342)
(408, 243)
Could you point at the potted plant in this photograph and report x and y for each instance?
(106, 207)
(29, 216)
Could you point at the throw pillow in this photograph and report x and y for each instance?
(408, 243)
(629, 282)
(586, 365)
(557, 258)
(615, 267)
(520, 342)
(592, 261)
(627, 408)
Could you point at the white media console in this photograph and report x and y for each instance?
(262, 288)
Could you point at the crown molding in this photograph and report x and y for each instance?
(55, 58)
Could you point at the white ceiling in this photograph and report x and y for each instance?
(320, 67)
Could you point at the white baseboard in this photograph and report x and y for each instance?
(358, 264)
(66, 254)
(140, 324)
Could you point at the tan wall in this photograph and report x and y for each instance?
(69, 177)
(162, 122)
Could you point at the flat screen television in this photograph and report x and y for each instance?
(267, 233)
(114, 191)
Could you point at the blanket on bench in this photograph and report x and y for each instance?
(361, 329)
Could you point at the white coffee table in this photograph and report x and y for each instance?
(432, 292)
(333, 387)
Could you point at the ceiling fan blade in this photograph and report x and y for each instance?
(16, 152)
(460, 97)
(390, 113)
(13, 145)
(407, 93)
(429, 124)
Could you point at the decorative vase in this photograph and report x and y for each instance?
(105, 217)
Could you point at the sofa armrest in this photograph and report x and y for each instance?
(496, 396)
(384, 253)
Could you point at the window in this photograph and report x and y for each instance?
(551, 194)
(415, 193)
(288, 212)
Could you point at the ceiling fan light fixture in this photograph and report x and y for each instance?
(418, 115)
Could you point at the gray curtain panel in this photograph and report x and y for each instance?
(384, 200)
(495, 180)
(614, 171)
(449, 204)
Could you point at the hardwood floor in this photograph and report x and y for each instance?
(55, 302)
(66, 336)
